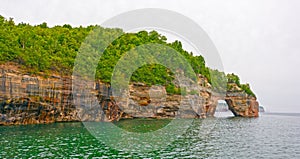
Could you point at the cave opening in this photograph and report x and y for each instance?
(222, 110)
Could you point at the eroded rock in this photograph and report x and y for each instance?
(26, 99)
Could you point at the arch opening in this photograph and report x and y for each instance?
(222, 110)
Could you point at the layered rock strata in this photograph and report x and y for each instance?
(28, 99)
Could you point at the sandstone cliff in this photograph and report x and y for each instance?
(28, 99)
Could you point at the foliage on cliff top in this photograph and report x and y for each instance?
(232, 78)
(43, 49)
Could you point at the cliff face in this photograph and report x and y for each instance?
(26, 99)
(243, 106)
(240, 103)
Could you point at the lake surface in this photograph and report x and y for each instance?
(269, 136)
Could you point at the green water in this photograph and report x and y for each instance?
(270, 136)
(142, 125)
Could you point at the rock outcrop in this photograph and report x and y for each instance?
(243, 106)
(28, 99)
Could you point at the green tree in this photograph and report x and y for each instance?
(53, 49)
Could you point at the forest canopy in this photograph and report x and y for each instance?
(49, 50)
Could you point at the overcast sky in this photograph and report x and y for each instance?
(256, 39)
